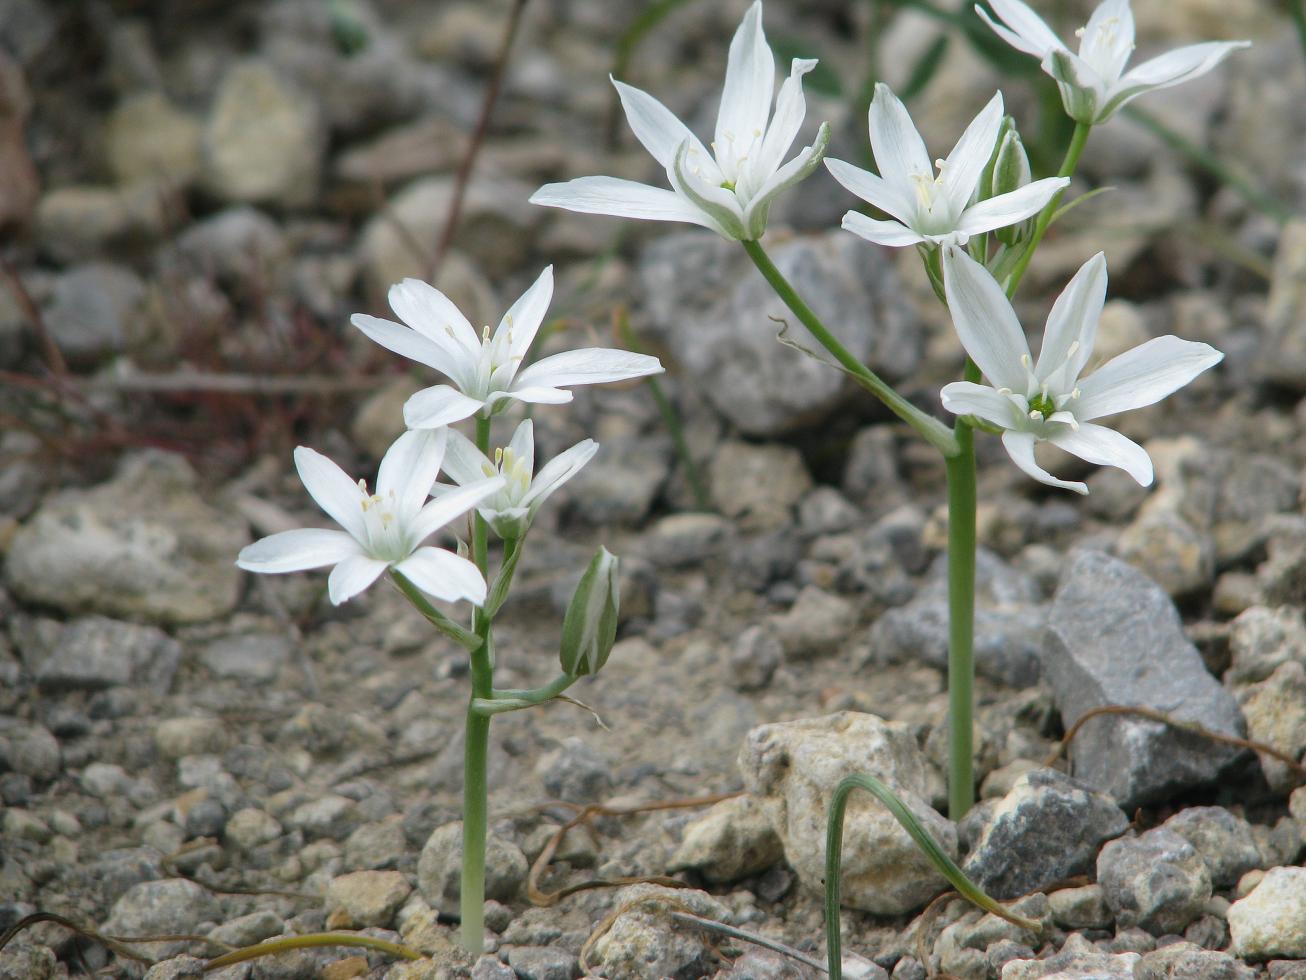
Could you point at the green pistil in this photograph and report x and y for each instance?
(1042, 404)
(728, 184)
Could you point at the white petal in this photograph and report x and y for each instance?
(750, 80)
(539, 394)
(352, 576)
(791, 173)
(1007, 209)
(964, 165)
(558, 471)
(452, 504)
(432, 314)
(1169, 69)
(524, 317)
(654, 124)
(587, 366)
(1143, 376)
(790, 108)
(408, 343)
(1020, 447)
(1073, 320)
(622, 199)
(463, 462)
(297, 551)
(1107, 447)
(1108, 38)
(444, 575)
(873, 189)
(333, 491)
(889, 233)
(968, 398)
(522, 444)
(985, 321)
(1032, 31)
(431, 408)
(409, 468)
(898, 147)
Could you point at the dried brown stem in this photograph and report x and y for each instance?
(464, 175)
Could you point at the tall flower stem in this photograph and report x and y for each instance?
(931, 429)
(961, 618)
(1068, 164)
(476, 749)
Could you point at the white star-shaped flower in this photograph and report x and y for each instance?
(511, 510)
(1046, 399)
(729, 189)
(486, 370)
(1094, 84)
(382, 530)
(928, 207)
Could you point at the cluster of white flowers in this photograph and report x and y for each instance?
(388, 529)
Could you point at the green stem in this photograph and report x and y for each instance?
(516, 699)
(961, 619)
(930, 428)
(1068, 164)
(476, 749)
(439, 620)
(270, 947)
(945, 865)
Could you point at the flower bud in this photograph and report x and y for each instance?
(590, 627)
(1010, 173)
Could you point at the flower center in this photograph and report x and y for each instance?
(385, 536)
(1041, 405)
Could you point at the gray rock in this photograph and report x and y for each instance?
(1275, 710)
(246, 930)
(1008, 624)
(79, 222)
(439, 868)
(361, 899)
(492, 968)
(543, 963)
(1179, 961)
(719, 319)
(826, 511)
(1080, 908)
(93, 653)
(1156, 881)
(29, 749)
(686, 540)
(576, 772)
(1172, 552)
(619, 485)
(184, 967)
(1078, 960)
(970, 946)
(375, 846)
(793, 768)
(1282, 357)
(1262, 639)
(817, 624)
(1114, 637)
(644, 943)
(146, 137)
(94, 311)
(193, 735)
(1047, 829)
(256, 657)
(870, 475)
(1271, 921)
(248, 828)
(762, 964)
(240, 248)
(166, 907)
(329, 816)
(732, 840)
(145, 544)
(754, 657)
(264, 139)
(757, 486)
(1223, 839)
(1252, 487)
(22, 960)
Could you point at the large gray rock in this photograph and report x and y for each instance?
(166, 907)
(1047, 829)
(1223, 839)
(732, 840)
(644, 943)
(719, 318)
(1276, 715)
(144, 545)
(793, 768)
(93, 653)
(1156, 881)
(1114, 637)
(94, 311)
(439, 867)
(1271, 921)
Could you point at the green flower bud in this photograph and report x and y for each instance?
(590, 627)
(1010, 173)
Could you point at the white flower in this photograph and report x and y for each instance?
(381, 530)
(485, 369)
(1094, 83)
(511, 510)
(729, 190)
(939, 209)
(1046, 400)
